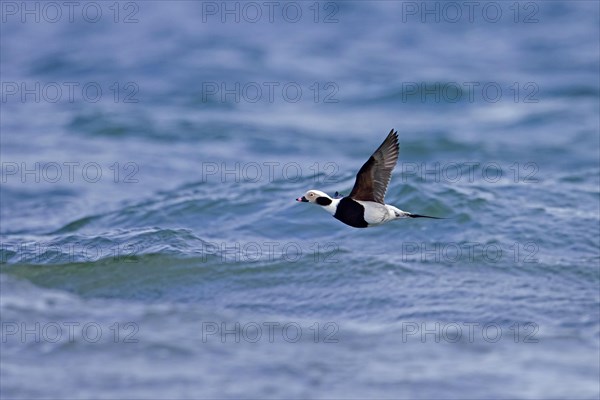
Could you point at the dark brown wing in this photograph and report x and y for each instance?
(373, 178)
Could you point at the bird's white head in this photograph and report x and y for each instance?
(319, 198)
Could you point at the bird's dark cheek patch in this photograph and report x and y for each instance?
(323, 201)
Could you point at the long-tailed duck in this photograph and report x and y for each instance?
(364, 206)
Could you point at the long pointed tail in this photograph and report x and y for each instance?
(422, 216)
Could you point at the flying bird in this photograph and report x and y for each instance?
(364, 206)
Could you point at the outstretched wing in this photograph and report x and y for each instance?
(373, 178)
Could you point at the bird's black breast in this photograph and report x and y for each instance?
(351, 213)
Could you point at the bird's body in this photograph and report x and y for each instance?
(358, 213)
(364, 206)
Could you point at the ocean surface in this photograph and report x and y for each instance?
(151, 246)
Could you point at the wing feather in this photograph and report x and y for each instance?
(374, 176)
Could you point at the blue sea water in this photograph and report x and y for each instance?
(152, 247)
